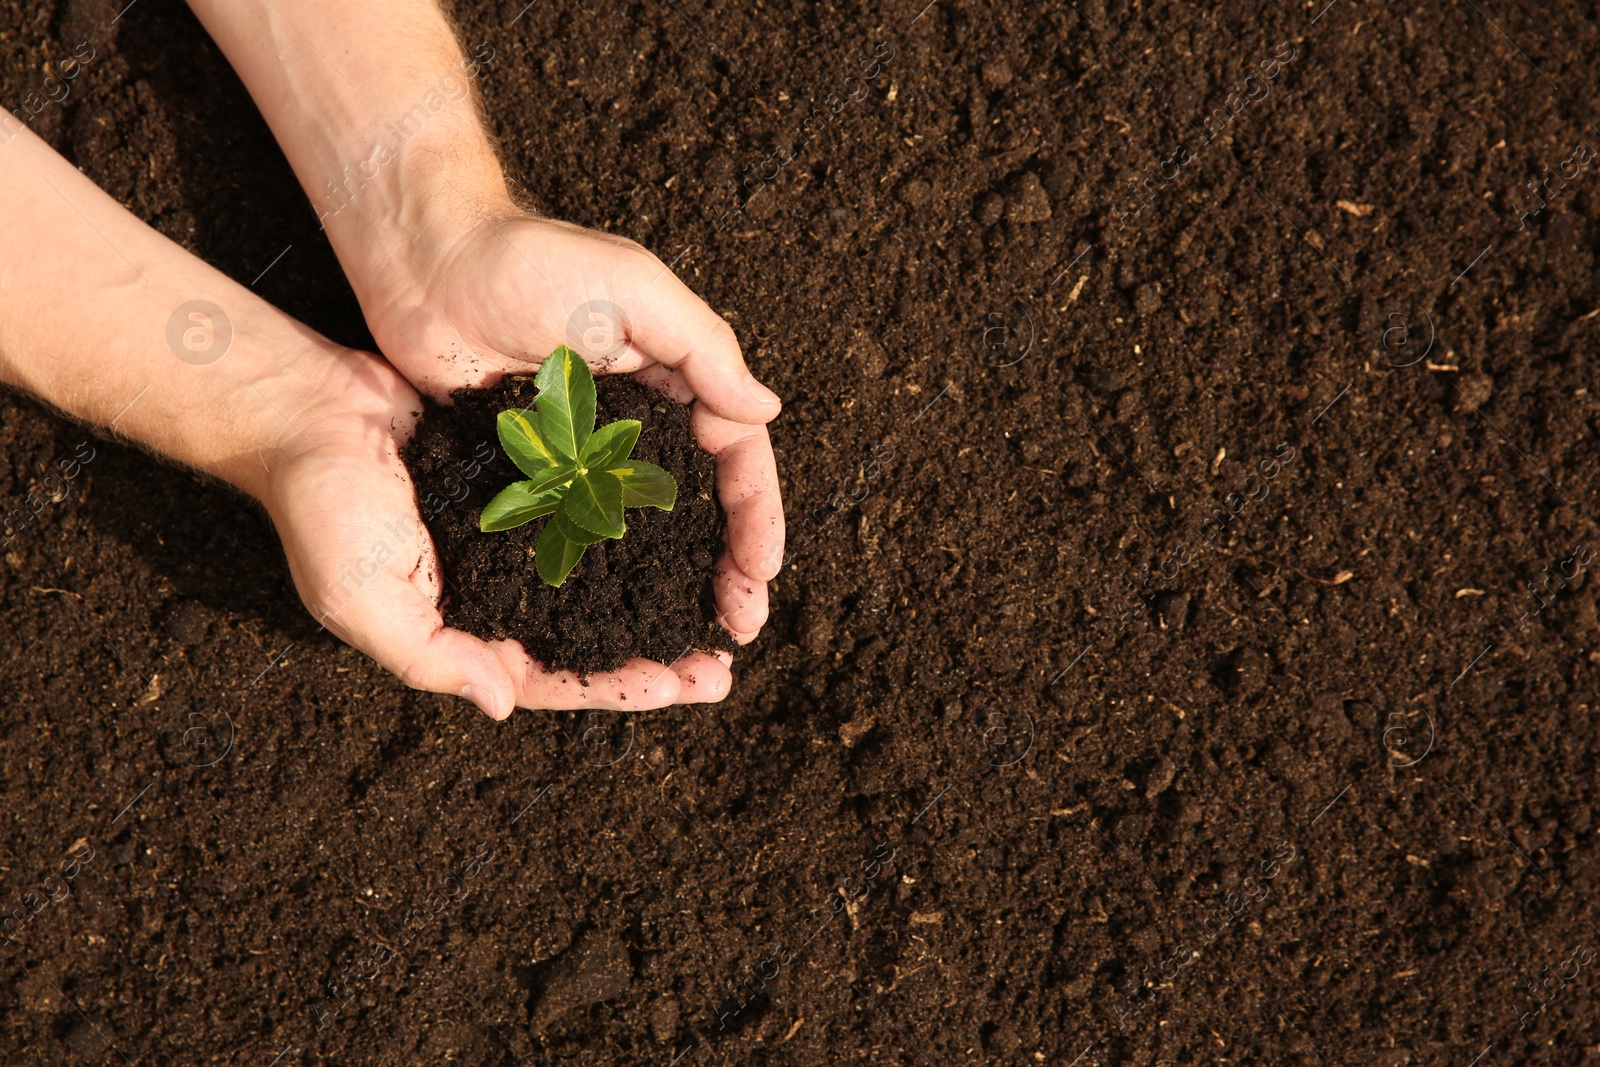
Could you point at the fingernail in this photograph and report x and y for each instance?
(481, 696)
(760, 393)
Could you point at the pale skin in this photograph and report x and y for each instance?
(459, 286)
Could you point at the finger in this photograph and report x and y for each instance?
(747, 486)
(640, 685)
(666, 380)
(704, 679)
(741, 600)
(672, 326)
(395, 623)
(615, 358)
(516, 348)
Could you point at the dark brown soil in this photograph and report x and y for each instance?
(1318, 787)
(648, 594)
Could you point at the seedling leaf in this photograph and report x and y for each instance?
(611, 444)
(556, 553)
(516, 504)
(565, 402)
(573, 531)
(594, 502)
(522, 442)
(645, 485)
(579, 477)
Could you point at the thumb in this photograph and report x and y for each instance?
(674, 327)
(395, 623)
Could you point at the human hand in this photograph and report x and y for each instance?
(309, 428)
(498, 290)
(364, 564)
(460, 286)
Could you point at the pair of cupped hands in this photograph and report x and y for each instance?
(497, 298)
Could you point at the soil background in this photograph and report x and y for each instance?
(1316, 789)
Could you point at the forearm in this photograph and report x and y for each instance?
(376, 108)
(95, 319)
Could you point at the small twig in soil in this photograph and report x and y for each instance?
(1339, 577)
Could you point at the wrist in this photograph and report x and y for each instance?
(269, 409)
(335, 404)
(387, 138)
(408, 202)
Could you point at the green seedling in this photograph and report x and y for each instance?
(580, 477)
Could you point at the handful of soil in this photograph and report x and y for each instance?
(648, 594)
